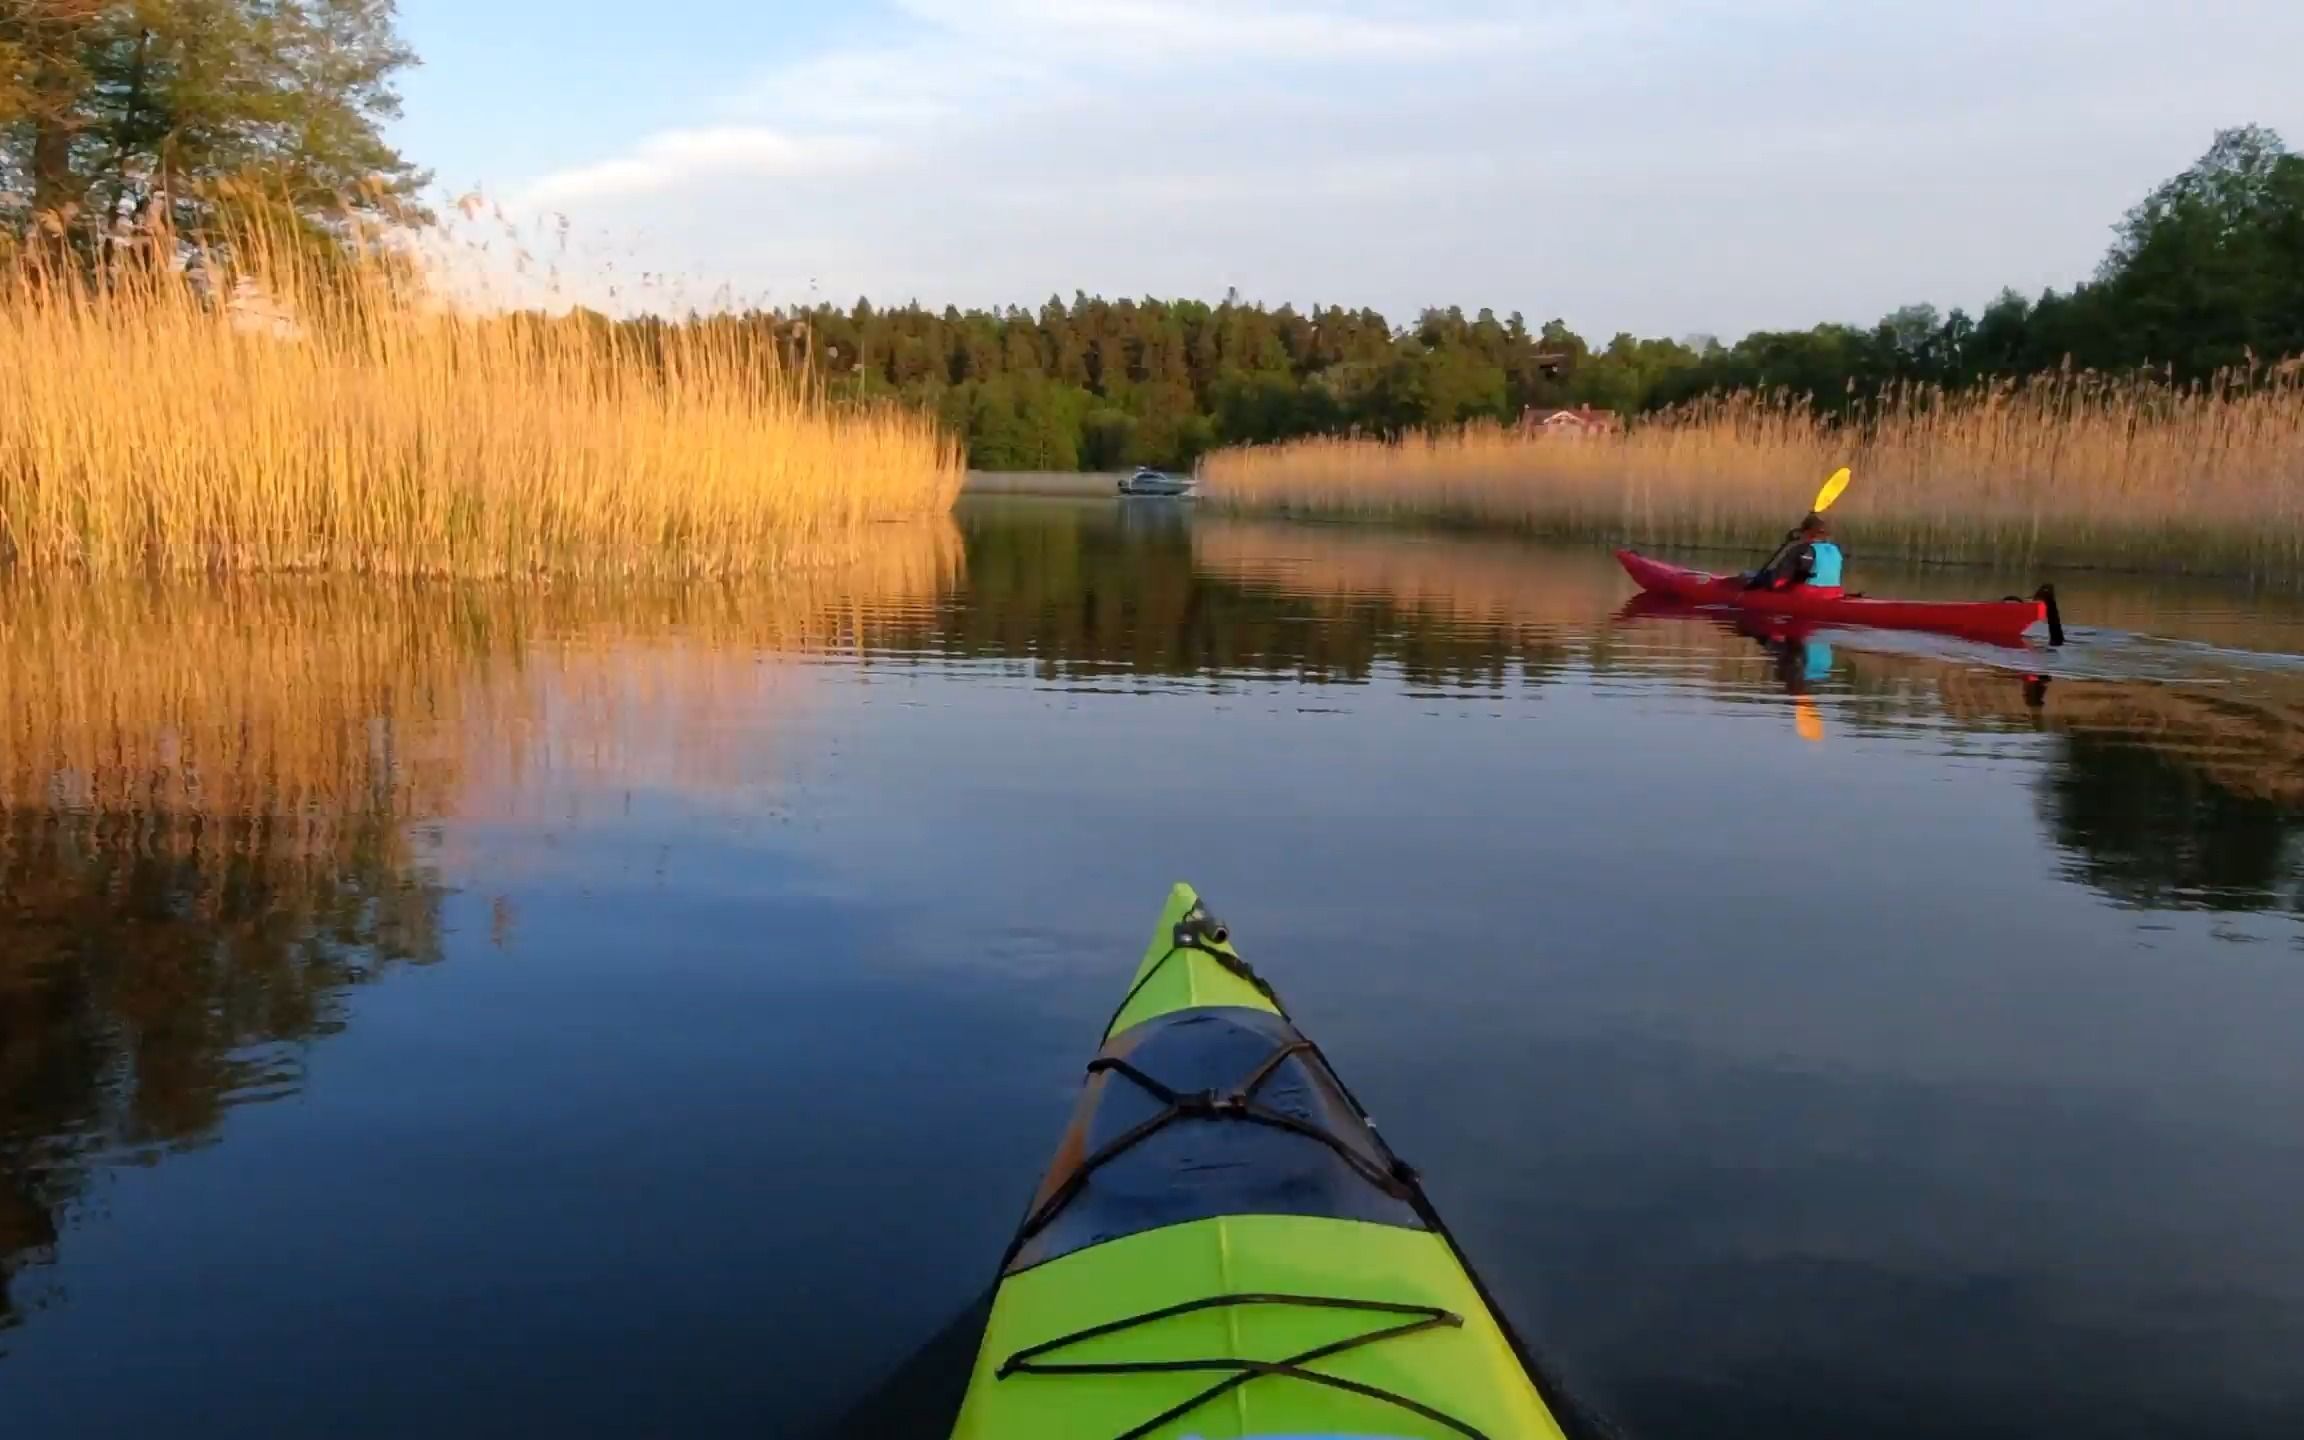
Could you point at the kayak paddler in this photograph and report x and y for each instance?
(1809, 560)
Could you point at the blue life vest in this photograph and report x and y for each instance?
(1818, 656)
(1828, 562)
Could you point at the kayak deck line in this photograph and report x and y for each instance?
(1212, 1146)
(1422, 1317)
(1222, 1246)
(1239, 1104)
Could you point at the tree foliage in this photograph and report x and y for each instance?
(1107, 383)
(2206, 273)
(127, 118)
(122, 119)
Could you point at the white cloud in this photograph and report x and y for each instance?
(672, 159)
(894, 89)
(1229, 29)
(1657, 165)
(973, 59)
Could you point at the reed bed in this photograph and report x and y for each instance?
(260, 410)
(2071, 469)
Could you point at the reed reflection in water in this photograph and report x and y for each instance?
(743, 946)
(219, 811)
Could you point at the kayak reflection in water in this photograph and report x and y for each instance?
(1809, 560)
(1801, 661)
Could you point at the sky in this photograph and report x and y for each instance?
(1668, 167)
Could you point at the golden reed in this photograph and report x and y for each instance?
(281, 413)
(2076, 469)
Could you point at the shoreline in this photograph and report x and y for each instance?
(1890, 546)
(1097, 485)
(1072, 483)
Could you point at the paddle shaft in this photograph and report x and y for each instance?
(1781, 551)
(1791, 542)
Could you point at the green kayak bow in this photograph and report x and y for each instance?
(1223, 1249)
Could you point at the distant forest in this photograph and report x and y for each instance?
(2205, 275)
(133, 119)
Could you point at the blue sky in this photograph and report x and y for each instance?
(1664, 166)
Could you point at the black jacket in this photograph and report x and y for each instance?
(1796, 567)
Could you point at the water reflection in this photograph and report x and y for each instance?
(218, 811)
(2164, 827)
(162, 965)
(2181, 787)
(1083, 592)
(1739, 1179)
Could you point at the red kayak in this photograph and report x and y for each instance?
(2001, 620)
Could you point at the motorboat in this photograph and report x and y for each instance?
(1148, 481)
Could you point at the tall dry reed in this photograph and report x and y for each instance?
(2069, 468)
(274, 413)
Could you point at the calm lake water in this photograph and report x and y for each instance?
(445, 1012)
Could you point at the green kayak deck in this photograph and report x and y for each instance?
(1223, 1249)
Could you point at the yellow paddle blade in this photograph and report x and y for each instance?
(1807, 720)
(1833, 489)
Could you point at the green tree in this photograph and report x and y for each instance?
(2206, 272)
(1629, 373)
(1259, 408)
(1051, 418)
(1107, 438)
(2209, 269)
(135, 117)
(998, 436)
